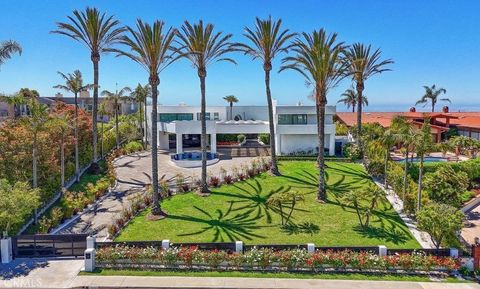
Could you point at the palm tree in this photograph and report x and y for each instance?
(231, 99)
(361, 64)
(35, 122)
(350, 98)
(102, 111)
(202, 46)
(151, 47)
(387, 140)
(115, 98)
(318, 59)
(406, 136)
(7, 48)
(74, 84)
(423, 145)
(61, 124)
(98, 32)
(432, 94)
(267, 41)
(140, 95)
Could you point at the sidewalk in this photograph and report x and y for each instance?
(250, 283)
(55, 273)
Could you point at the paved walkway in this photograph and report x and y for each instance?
(422, 237)
(133, 173)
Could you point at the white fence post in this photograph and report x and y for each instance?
(90, 260)
(382, 250)
(454, 252)
(311, 248)
(165, 244)
(7, 251)
(91, 242)
(239, 247)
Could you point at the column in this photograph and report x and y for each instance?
(278, 144)
(331, 147)
(179, 143)
(213, 142)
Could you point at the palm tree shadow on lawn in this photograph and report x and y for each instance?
(390, 234)
(255, 199)
(226, 226)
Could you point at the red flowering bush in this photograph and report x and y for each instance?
(266, 258)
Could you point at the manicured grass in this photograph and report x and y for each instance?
(284, 275)
(240, 212)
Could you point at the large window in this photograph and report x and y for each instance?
(292, 119)
(169, 117)
(199, 116)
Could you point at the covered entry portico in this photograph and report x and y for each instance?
(181, 128)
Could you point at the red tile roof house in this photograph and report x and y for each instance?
(467, 123)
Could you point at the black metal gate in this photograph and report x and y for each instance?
(33, 246)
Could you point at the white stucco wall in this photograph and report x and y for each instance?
(290, 143)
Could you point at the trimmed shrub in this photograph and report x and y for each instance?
(133, 146)
(265, 138)
(241, 138)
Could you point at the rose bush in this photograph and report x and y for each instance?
(266, 258)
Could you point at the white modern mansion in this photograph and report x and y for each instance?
(295, 125)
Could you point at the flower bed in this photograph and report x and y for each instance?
(266, 259)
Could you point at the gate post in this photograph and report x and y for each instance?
(89, 260)
(476, 256)
(7, 250)
(91, 242)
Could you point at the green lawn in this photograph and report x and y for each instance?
(239, 212)
(284, 275)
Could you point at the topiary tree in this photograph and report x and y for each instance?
(364, 201)
(446, 185)
(285, 200)
(439, 220)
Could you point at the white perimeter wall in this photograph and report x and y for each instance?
(294, 142)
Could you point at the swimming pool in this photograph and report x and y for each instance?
(425, 159)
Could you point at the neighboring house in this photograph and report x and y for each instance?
(84, 101)
(466, 123)
(295, 126)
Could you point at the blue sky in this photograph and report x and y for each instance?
(430, 42)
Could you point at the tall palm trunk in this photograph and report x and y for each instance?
(359, 115)
(274, 168)
(140, 121)
(77, 162)
(387, 152)
(146, 124)
(95, 59)
(203, 186)
(34, 170)
(156, 209)
(231, 110)
(62, 162)
(321, 195)
(101, 136)
(405, 175)
(34, 161)
(353, 107)
(420, 180)
(117, 134)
